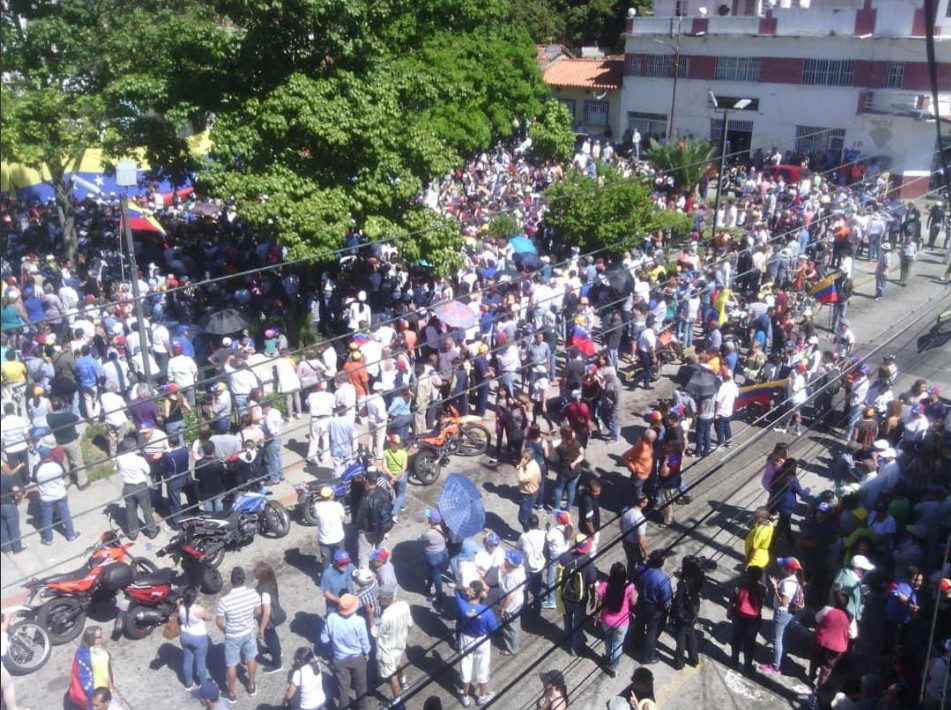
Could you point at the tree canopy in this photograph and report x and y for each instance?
(552, 136)
(609, 211)
(686, 160)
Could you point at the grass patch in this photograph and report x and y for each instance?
(95, 448)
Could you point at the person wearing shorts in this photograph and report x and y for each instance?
(235, 616)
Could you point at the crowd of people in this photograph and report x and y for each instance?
(544, 346)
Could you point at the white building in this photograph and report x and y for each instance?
(834, 78)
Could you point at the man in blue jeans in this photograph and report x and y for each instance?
(577, 576)
(50, 478)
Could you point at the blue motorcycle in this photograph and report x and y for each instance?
(308, 493)
(212, 534)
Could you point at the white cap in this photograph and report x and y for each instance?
(226, 342)
(862, 562)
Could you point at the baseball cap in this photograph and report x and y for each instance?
(492, 539)
(514, 558)
(380, 555)
(207, 691)
(862, 562)
(934, 389)
(789, 563)
(326, 492)
(341, 557)
(433, 515)
(582, 544)
(226, 342)
(825, 507)
(562, 517)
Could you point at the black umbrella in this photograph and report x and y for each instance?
(224, 322)
(702, 384)
(620, 279)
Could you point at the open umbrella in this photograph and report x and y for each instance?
(206, 209)
(702, 384)
(224, 322)
(522, 244)
(461, 506)
(620, 279)
(455, 314)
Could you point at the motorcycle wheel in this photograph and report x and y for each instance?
(29, 647)
(211, 581)
(211, 558)
(426, 467)
(143, 566)
(473, 440)
(133, 629)
(276, 521)
(63, 618)
(306, 507)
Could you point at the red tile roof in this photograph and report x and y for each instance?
(586, 73)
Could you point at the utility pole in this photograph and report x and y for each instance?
(676, 76)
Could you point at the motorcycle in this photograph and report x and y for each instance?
(198, 567)
(213, 534)
(28, 643)
(63, 600)
(308, 493)
(147, 603)
(455, 434)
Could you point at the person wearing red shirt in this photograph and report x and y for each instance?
(830, 638)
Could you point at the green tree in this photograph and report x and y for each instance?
(577, 23)
(552, 137)
(686, 161)
(607, 212)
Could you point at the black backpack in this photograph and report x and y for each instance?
(573, 587)
(379, 512)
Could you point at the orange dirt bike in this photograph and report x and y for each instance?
(61, 601)
(455, 434)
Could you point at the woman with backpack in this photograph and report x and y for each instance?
(787, 600)
(305, 679)
(685, 612)
(616, 599)
(746, 615)
(272, 616)
(557, 541)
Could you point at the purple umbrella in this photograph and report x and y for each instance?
(455, 314)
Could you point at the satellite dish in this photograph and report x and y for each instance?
(600, 95)
(703, 12)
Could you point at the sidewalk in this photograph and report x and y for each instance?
(89, 507)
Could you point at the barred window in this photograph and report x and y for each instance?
(661, 66)
(815, 140)
(827, 72)
(896, 72)
(596, 113)
(737, 69)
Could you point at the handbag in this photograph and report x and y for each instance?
(173, 628)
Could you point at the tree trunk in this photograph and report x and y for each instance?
(67, 215)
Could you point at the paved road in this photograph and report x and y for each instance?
(714, 524)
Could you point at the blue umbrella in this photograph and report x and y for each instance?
(522, 244)
(461, 506)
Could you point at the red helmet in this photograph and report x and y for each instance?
(177, 349)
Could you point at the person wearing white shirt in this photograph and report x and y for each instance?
(320, 404)
(306, 682)
(50, 480)
(329, 357)
(724, 402)
(346, 396)
(331, 518)
(531, 543)
(273, 425)
(118, 425)
(376, 420)
(392, 634)
(136, 479)
(512, 593)
(183, 372)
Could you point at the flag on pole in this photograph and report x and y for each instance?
(142, 221)
(824, 291)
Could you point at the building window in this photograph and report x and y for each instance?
(736, 126)
(570, 105)
(814, 140)
(649, 124)
(737, 69)
(596, 114)
(632, 65)
(661, 66)
(827, 72)
(896, 71)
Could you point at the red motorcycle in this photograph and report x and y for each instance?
(147, 603)
(62, 601)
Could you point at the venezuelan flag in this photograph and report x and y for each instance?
(758, 394)
(824, 291)
(142, 221)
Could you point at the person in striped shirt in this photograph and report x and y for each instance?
(235, 616)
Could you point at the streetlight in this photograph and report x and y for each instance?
(126, 177)
(739, 106)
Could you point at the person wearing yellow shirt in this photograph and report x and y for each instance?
(13, 373)
(759, 539)
(395, 460)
